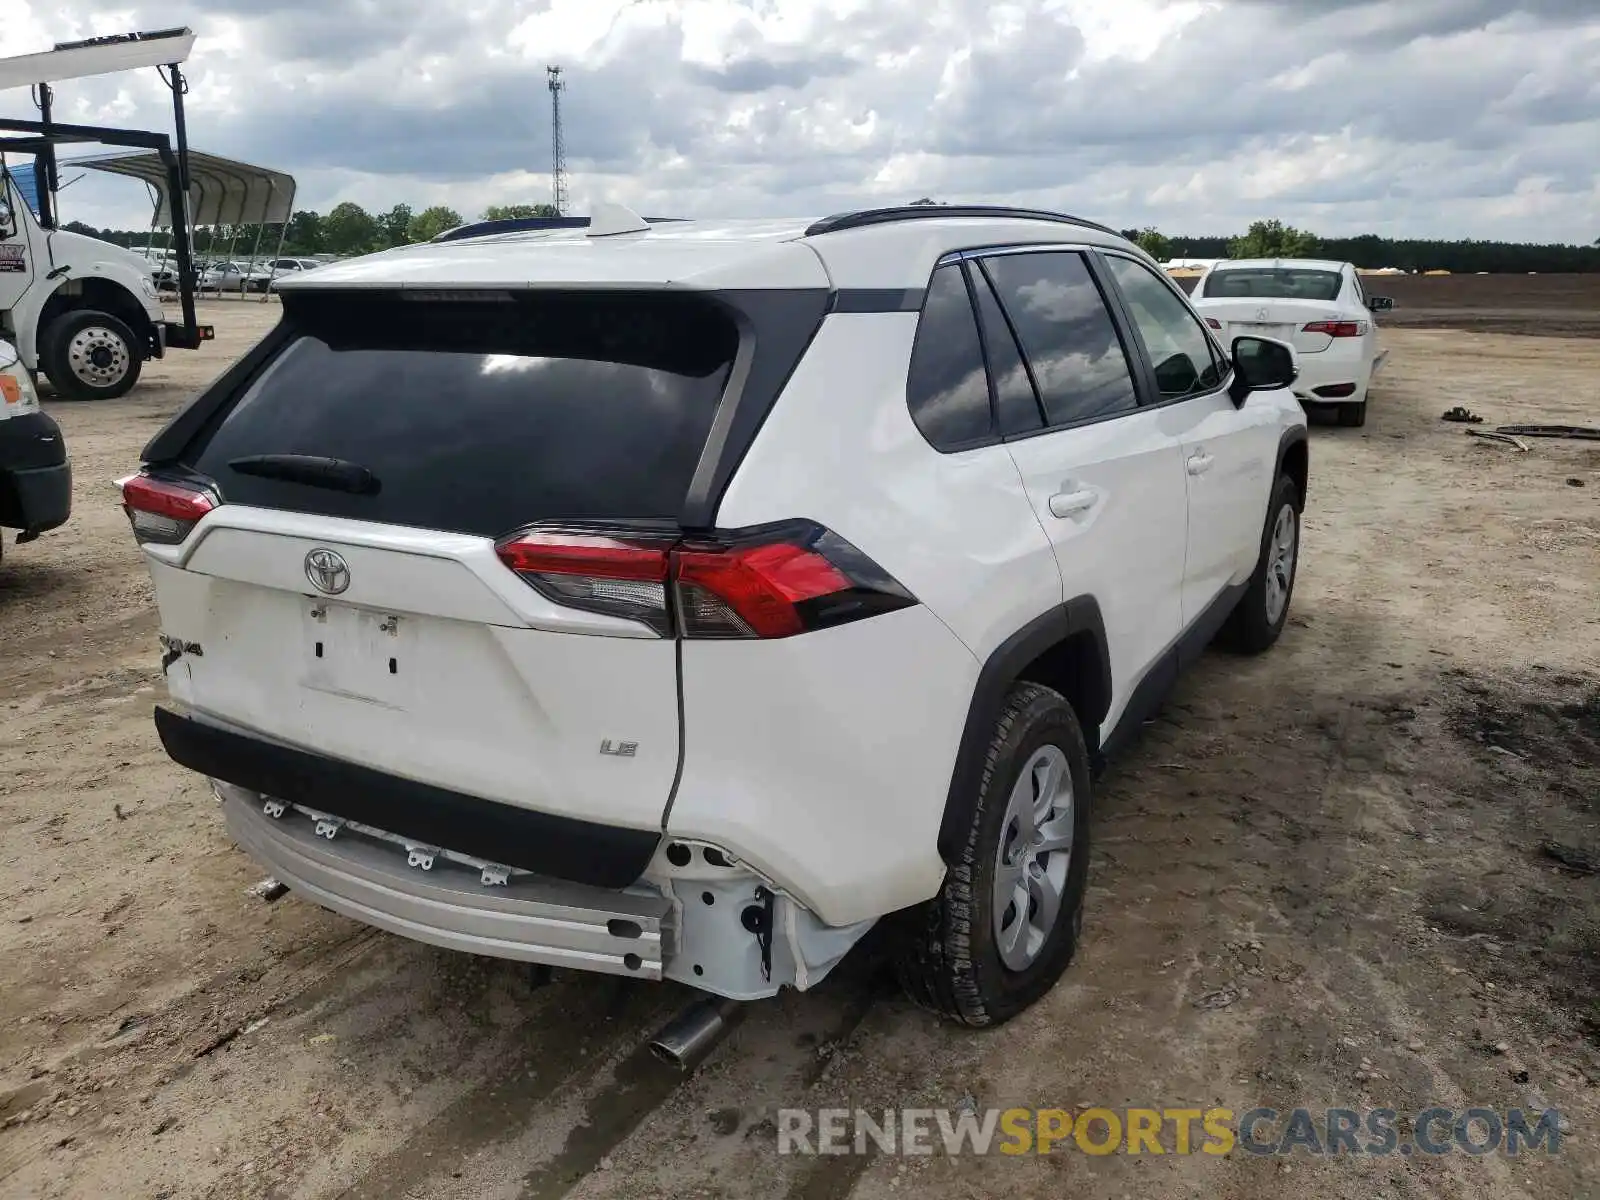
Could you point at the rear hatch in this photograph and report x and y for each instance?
(336, 560)
(1271, 302)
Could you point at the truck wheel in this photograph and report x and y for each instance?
(91, 355)
(1006, 923)
(1259, 617)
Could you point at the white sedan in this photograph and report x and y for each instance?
(234, 277)
(1316, 306)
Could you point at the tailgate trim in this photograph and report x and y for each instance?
(604, 856)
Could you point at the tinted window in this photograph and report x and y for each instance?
(1183, 355)
(1281, 283)
(480, 417)
(1016, 405)
(946, 387)
(1066, 331)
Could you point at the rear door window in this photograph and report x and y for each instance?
(482, 415)
(1066, 331)
(1015, 402)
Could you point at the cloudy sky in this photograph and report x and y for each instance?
(1427, 118)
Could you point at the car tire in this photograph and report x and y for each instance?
(1353, 415)
(1258, 619)
(90, 355)
(952, 955)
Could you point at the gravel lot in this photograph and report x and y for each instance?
(1356, 872)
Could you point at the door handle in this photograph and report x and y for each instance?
(1067, 504)
(1199, 463)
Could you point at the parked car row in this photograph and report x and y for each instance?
(228, 275)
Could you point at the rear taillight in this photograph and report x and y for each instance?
(773, 582)
(1337, 329)
(777, 582)
(617, 575)
(163, 512)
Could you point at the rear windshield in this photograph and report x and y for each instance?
(1280, 283)
(481, 415)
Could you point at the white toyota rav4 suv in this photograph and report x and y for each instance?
(680, 599)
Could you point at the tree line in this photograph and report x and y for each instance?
(1274, 239)
(345, 230)
(350, 229)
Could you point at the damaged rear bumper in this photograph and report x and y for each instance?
(527, 918)
(688, 912)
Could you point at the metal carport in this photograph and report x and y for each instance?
(222, 191)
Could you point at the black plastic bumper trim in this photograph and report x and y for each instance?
(42, 498)
(558, 847)
(29, 441)
(35, 475)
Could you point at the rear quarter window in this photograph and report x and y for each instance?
(947, 385)
(480, 416)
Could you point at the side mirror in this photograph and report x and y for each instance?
(1261, 364)
(8, 222)
(1379, 304)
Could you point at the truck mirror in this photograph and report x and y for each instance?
(8, 219)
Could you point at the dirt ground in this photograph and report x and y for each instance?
(1359, 871)
(1542, 305)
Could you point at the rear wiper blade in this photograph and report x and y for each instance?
(335, 474)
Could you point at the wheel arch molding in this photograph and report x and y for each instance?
(1294, 458)
(1065, 649)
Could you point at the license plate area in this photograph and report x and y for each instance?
(1262, 329)
(359, 653)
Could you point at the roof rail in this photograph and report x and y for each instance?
(526, 225)
(925, 212)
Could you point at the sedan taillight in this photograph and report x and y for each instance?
(1337, 329)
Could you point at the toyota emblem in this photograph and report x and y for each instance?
(327, 571)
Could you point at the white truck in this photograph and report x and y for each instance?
(83, 312)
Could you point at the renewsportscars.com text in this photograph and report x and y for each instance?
(1181, 1131)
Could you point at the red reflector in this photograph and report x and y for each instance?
(592, 555)
(762, 584)
(1337, 329)
(1214, 323)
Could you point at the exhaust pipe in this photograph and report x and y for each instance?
(689, 1038)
